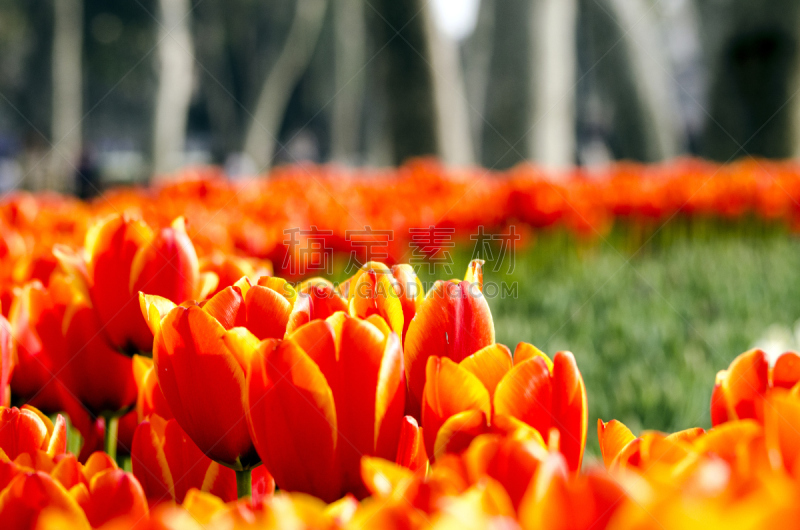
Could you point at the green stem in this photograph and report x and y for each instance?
(112, 427)
(243, 484)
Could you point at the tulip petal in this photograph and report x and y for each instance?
(292, 418)
(191, 359)
(227, 307)
(167, 266)
(570, 413)
(613, 437)
(527, 351)
(786, 372)
(267, 312)
(489, 364)
(458, 431)
(149, 463)
(411, 449)
(782, 416)
(383, 478)
(450, 390)
(374, 293)
(154, 309)
(746, 382)
(369, 406)
(526, 393)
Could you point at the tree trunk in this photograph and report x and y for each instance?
(554, 55)
(67, 93)
(754, 65)
(262, 133)
(350, 39)
(175, 52)
(507, 116)
(452, 107)
(477, 61)
(652, 76)
(400, 35)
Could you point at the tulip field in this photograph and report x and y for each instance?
(409, 348)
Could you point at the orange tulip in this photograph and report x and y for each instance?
(741, 390)
(192, 354)
(394, 294)
(32, 497)
(319, 400)
(556, 500)
(486, 391)
(453, 322)
(167, 464)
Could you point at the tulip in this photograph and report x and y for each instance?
(317, 401)
(741, 390)
(453, 322)
(112, 496)
(393, 294)
(123, 257)
(28, 431)
(558, 501)
(32, 499)
(36, 318)
(487, 390)
(167, 464)
(193, 353)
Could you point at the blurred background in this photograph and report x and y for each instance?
(122, 90)
(95, 94)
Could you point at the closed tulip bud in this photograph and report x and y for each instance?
(454, 321)
(201, 374)
(28, 431)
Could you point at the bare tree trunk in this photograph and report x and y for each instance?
(175, 51)
(477, 61)
(350, 34)
(552, 140)
(262, 134)
(452, 107)
(754, 66)
(411, 109)
(651, 73)
(508, 98)
(67, 93)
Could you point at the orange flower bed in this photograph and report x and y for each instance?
(150, 323)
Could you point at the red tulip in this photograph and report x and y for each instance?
(28, 431)
(124, 257)
(454, 321)
(319, 400)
